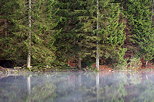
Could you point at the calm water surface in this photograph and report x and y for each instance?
(78, 87)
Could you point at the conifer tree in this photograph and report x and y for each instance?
(110, 35)
(68, 17)
(42, 33)
(11, 10)
(39, 40)
(139, 15)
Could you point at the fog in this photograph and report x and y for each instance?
(78, 87)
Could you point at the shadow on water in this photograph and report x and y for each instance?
(78, 87)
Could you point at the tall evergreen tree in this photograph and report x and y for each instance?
(67, 16)
(110, 34)
(10, 11)
(139, 16)
(39, 40)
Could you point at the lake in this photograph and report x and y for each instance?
(118, 86)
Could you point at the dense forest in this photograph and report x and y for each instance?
(76, 33)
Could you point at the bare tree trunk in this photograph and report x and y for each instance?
(152, 11)
(146, 63)
(97, 46)
(29, 36)
(79, 62)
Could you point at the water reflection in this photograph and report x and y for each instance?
(78, 87)
(29, 84)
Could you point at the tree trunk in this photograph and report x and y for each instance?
(79, 62)
(97, 47)
(29, 36)
(152, 13)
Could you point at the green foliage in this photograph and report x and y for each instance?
(42, 36)
(68, 28)
(65, 30)
(139, 16)
(16, 43)
(112, 34)
(13, 12)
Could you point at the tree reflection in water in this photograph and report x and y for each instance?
(78, 87)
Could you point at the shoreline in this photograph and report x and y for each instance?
(5, 72)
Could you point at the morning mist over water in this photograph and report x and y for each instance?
(78, 87)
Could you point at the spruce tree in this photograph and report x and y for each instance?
(40, 41)
(42, 33)
(139, 16)
(10, 11)
(110, 35)
(68, 16)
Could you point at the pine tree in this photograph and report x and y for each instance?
(110, 35)
(39, 40)
(68, 15)
(9, 11)
(42, 36)
(139, 16)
